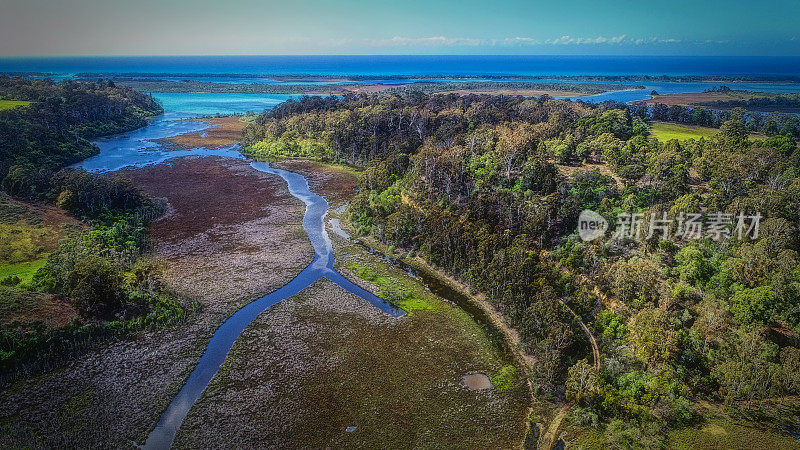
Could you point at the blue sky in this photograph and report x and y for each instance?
(147, 27)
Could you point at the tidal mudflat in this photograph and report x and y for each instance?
(224, 132)
(325, 368)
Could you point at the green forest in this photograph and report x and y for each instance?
(101, 267)
(490, 189)
(53, 130)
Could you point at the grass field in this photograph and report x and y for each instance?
(23, 270)
(726, 435)
(28, 233)
(10, 104)
(401, 291)
(668, 131)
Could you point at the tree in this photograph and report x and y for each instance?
(754, 305)
(734, 130)
(693, 265)
(669, 170)
(581, 381)
(637, 279)
(747, 371)
(96, 288)
(652, 337)
(711, 321)
(790, 370)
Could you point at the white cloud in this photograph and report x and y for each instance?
(569, 40)
(432, 40)
(517, 41)
(472, 42)
(655, 40)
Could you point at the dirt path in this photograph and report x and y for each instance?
(510, 335)
(549, 439)
(589, 336)
(583, 280)
(515, 344)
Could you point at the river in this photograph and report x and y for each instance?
(138, 149)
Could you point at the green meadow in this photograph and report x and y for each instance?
(11, 104)
(668, 131)
(23, 270)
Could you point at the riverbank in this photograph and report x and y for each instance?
(326, 360)
(221, 247)
(337, 183)
(230, 234)
(224, 132)
(475, 305)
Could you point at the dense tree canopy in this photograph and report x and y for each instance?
(489, 188)
(54, 130)
(102, 271)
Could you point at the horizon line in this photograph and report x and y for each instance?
(191, 55)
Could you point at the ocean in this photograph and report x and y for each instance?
(375, 67)
(423, 65)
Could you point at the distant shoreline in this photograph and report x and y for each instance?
(750, 100)
(487, 87)
(346, 78)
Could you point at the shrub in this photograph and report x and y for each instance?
(504, 380)
(11, 280)
(95, 286)
(586, 417)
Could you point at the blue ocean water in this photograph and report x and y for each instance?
(418, 64)
(194, 104)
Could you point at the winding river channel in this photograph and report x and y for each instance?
(138, 149)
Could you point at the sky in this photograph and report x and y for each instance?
(202, 27)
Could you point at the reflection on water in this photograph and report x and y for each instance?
(336, 226)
